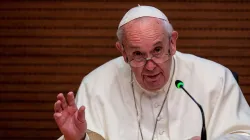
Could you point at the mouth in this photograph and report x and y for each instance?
(152, 77)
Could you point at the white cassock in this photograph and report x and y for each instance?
(107, 94)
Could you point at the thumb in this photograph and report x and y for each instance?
(59, 119)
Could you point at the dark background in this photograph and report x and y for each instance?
(47, 47)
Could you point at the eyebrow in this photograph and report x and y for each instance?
(137, 47)
(158, 43)
(134, 47)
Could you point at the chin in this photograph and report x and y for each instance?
(153, 86)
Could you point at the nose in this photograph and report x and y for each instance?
(150, 65)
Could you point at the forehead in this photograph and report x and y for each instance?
(141, 31)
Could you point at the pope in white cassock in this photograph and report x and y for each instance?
(134, 97)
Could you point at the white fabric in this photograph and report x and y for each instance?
(142, 11)
(234, 137)
(86, 138)
(110, 110)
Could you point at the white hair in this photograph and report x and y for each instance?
(167, 26)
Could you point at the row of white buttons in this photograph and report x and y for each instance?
(157, 105)
(158, 119)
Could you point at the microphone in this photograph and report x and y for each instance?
(180, 84)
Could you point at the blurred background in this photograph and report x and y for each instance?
(47, 47)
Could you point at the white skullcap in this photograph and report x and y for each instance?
(142, 11)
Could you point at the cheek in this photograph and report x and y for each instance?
(138, 73)
(165, 68)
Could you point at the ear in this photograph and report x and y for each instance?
(121, 49)
(173, 41)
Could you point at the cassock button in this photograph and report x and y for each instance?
(156, 105)
(159, 118)
(161, 132)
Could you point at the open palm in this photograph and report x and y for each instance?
(70, 120)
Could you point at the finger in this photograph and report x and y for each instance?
(57, 107)
(59, 119)
(81, 114)
(57, 116)
(61, 97)
(71, 99)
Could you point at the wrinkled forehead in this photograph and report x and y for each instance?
(144, 28)
(143, 21)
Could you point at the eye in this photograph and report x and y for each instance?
(158, 49)
(137, 53)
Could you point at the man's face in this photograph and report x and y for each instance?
(146, 36)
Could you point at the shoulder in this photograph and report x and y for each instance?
(200, 65)
(204, 73)
(204, 76)
(109, 70)
(105, 75)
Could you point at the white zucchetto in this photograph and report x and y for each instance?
(142, 11)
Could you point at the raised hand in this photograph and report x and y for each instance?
(70, 120)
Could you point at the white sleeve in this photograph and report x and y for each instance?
(86, 96)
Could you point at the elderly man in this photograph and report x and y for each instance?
(134, 97)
